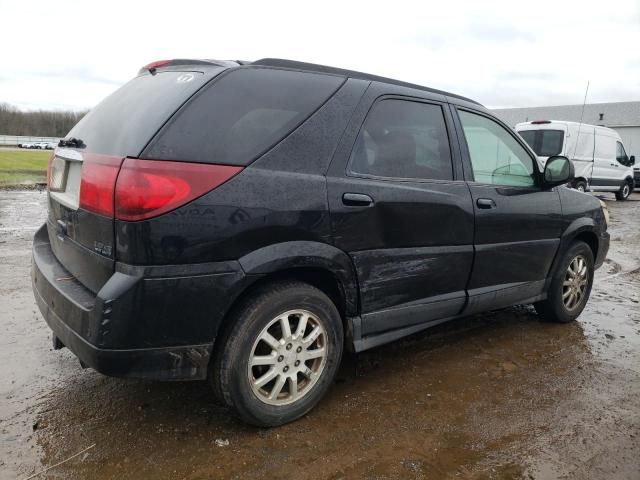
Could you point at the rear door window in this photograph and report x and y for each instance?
(241, 115)
(403, 139)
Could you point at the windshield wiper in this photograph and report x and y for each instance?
(71, 142)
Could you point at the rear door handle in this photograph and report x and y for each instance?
(485, 203)
(357, 200)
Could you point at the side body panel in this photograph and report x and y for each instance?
(412, 247)
(280, 197)
(608, 173)
(516, 239)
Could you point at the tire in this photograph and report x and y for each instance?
(580, 185)
(261, 316)
(558, 306)
(625, 191)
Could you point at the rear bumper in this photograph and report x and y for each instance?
(145, 322)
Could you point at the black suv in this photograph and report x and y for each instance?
(244, 222)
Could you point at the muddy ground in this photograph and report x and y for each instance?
(500, 395)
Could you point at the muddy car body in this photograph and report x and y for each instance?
(244, 222)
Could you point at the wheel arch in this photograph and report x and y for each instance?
(583, 229)
(321, 265)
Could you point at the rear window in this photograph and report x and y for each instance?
(544, 142)
(241, 115)
(124, 122)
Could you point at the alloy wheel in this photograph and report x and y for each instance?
(575, 283)
(288, 357)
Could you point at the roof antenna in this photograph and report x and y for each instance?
(580, 124)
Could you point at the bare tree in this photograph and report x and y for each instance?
(41, 123)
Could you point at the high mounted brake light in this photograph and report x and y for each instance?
(540, 122)
(151, 67)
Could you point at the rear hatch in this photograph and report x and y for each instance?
(82, 172)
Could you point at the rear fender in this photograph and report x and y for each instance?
(306, 254)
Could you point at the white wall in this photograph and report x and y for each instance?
(631, 139)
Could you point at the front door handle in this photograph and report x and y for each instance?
(485, 203)
(357, 200)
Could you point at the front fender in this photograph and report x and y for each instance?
(575, 228)
(306, 254)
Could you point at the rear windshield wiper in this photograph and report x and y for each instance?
(71, 142)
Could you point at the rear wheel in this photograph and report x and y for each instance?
(624, 191)
(570, 287)
(281, 355)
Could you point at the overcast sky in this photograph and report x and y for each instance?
(67, 54)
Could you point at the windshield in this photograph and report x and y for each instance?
(545, 143)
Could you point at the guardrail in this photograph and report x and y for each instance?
(15, 140)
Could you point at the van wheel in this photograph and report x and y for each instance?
(570, 287)
(281, 355)
(580, 185)
(624, 191)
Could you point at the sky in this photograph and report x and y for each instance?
(63, 54)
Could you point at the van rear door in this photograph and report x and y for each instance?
(82, 173)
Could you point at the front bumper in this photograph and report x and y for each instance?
(603, 249)
(145, 322)
(636, 179)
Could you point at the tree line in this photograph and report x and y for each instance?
(40, 123)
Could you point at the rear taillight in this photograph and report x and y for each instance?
(53, 154)
(99, 173)
(148, 188)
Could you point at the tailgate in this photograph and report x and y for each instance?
(82, 178)
(82, 240)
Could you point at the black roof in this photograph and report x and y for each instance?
(279, 62)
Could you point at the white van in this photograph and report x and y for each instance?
(598, 154)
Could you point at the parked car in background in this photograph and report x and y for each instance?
(205, 233)
(598, 153)
(26, 145)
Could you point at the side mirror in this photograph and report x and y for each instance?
(557, 171)
(632, 160)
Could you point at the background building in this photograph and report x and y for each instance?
(624, 117)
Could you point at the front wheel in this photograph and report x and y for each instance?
(570, 287)
(624, 191)
(281, 355)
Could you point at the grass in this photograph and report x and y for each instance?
(19, 167)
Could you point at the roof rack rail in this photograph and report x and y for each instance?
(279, 62)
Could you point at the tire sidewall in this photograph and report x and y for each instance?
(620, 194)
(241, 396)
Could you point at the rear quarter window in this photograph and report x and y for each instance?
(241, 115)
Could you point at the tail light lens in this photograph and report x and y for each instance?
(53, 154)
(99, 173)
(148, 188)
